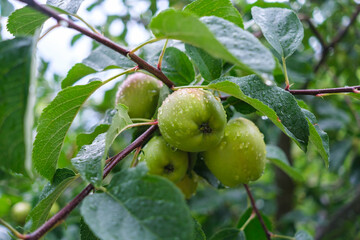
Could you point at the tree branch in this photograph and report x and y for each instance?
(348, 212)
(354, 89)
(63, 213)
(313, 29)
(101, 39)
(341, 33)
(267, 232)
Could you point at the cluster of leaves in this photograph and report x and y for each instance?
(214, 51)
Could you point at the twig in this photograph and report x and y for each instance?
(145, 43)
(341, 33)
(253, 214)
(101, 39)
(287, 83)
(313, 29)
(317, 92)
(63, 213)
(347, 213)
(162, 54)
(11, 229)
(267, 232)
(353, 89)
(49, 30)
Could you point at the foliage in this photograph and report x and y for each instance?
(252, 57)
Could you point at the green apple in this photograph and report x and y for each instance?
(54, 209)
(188, 184)
(20, 211)
(161, 159)
(192, 120)
(240, 156)
(140, 93)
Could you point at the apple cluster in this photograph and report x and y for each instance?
(194, 120)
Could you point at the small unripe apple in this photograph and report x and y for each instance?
(140, 93)
(54, 209)
(192, 120)
(240, 156)
(161, 159)
(188, 184)
(20, 211)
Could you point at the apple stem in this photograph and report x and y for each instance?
(267, 232)
(135, 161)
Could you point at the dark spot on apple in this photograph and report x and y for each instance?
(205, 128)
(169, 168)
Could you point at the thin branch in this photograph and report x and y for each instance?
(63, 213)
(162, 54)
(316, 92)
(145, 43)
(101, 39)
(49, 30)
(86, 23)
(346, 214)
(252, 216)
(267, 232)
(287, 83)
(313, 29)
(353, 89)
(341, 33)
(11, 229)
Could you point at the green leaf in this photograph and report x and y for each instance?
(177, 67)
(87, 138)
(278, 157)
(281, 28)
(25, 21)
(203, 171)
(119, 123)
(219, 8)
(102, 58)
(16, 115)
(354, 95)
(77, 72)
(198, 232)
(274, 102)
(254, 230)
(138, 206)
(220, 38)
(240, 106)
(6, 8)
(246, 8)
(251, 55)
(54, 123)
(318, 137)
(68, 6)
(188, 28)
(229, 234)
(85, 232)
(91, 158)
(88, 160)
(164, 92)
(209, 67)
(303, 235)
(62, 179)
